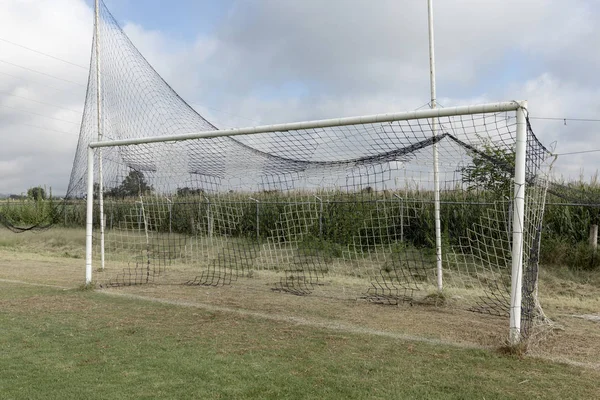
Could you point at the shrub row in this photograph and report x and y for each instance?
(337, 221)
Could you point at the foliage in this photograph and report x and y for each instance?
(559, 250)
(28, 212)
(186, 191)
(133, 185)
(491, 170)
(343, 218)
(36, 193)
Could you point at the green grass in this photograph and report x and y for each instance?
(82, 344)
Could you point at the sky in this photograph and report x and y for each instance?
(250, 62)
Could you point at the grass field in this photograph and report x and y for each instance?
(173, 341)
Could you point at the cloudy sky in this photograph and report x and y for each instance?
(249, 62)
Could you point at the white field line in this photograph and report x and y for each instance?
(573, 363)
(313, 323)
(335, 326)
(590, 317)
(16, 282)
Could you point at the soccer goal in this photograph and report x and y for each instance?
(392, 208)
(339, 208)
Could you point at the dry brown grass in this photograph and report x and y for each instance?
(429, 322)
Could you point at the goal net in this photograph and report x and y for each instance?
(338, 208)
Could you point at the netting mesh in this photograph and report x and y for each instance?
(339, 212)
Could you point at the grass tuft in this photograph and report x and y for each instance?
(437, 299)
(518, 350)
(87, 287)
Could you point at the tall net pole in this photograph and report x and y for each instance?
(89, 221)
(436, 175)
(100, 135)
(518, 226)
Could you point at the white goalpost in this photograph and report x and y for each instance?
(468, 132)
(517, 226)
(436, 179)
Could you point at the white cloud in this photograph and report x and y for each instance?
(274, 61)
(61, 28)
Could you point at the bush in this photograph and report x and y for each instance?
(560, 250)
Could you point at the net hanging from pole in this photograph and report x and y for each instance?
(339, 212)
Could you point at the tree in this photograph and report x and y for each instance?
(133, 185)
(492, 170)
(36, 193)
(186, 191)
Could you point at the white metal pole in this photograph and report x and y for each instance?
(209, 221)
(436, 174)
(100, 133)
(320, 216)
(517, 226)
(145, 222)
(257, 217)
(401, 217)
(148, 256)
(89, 218)
(324, 123)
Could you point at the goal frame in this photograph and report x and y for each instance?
(519, 107)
